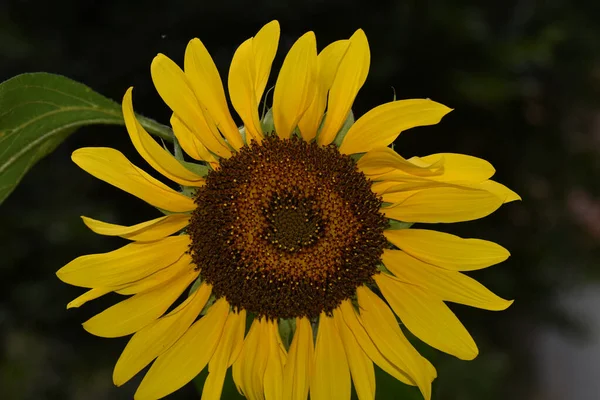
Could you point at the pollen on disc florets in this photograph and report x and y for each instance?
(287, 229)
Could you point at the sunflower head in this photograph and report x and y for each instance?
(287, 229)
(295, 221)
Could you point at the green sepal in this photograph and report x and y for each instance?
(395, 225)
(177, 151)
(339, 138)
(209, 303)
(287, 327)
(242, 130)
(198, 169)
(267, 123)
(188, 191)
(195, 285)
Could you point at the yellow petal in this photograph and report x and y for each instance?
(380, 126)
(349, 78)
(143, 232)
(187, 357)
(457, 170)
(248, 76)
(383, 160)
(112, 167)
(125, 265)
(328, 62)
(159, 158)
(189, 142)
(133, 314)
(273, 380)
(205, 80)
(444, 204)
(499, 190)
(175, 89)
(249, 369)
(241, 82)
(354, 325)
(427, 317)
(448, 285)
(295, 87)
(390, 190)
(446, 250)
(381, 325)
(228, 348)
(143, 284)
(361, 366)
(91, 294)
(330, 378)
(461, 168)
(264, 47)
(297, 372)
(159, 336)
(151, 281)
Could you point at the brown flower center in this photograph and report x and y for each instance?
(286, 229)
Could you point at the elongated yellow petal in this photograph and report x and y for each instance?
(176, 91)
(189, 142)
(273, 380)
(143, 284)
(159, 158)
(241, 82)
(205, 80)
(460, 168)
(264, 48)
(328, 62)
(381, 325)
(330, 378)
(248, 76)
(499, 190)
(228, 348)
(143, 232)
(113, 167)
(448, 285)
(133, 314)
(180, 266)
(361, 366)
(383, 159)
(297, 371)
(380, 126)
(349, 78)
(156, 338)
(446, 250)
(427, 317)
(91, 294)
(390, 189)
(457, 169)
(249, 369)
(295, 87)
(125, 265)
(354, 325)
(444, 204)
(187, 357)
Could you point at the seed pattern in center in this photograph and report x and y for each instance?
(287, 229)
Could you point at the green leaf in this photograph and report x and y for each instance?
(40, 110)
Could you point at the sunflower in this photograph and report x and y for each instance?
(288, 240)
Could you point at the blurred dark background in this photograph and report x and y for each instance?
(523, 77)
